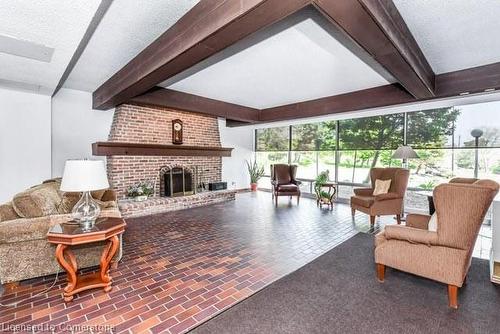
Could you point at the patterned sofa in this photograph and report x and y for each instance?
(25, 221)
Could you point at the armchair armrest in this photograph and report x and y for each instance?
(384, 197)
(411, 234)
(418, 221)
(363, 191)
(297, 182)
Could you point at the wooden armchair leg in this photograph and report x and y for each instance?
(453, 296)
(353, 211)
(298, 199)
(398, 218)
(380, 272)
(372, 220)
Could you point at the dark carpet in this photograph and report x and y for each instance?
(338, 293)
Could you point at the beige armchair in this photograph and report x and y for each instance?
(444, 255)
(385, 204)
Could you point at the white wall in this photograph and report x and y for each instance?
(25, 156)
(234, 169)
(75, 126)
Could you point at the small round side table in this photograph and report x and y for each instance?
(66, 235)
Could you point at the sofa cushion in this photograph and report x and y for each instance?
(105, 199)
(38, 201)
(7, 212)
(364, 201)
(288, 188)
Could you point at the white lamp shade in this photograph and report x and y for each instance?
(84, 175)
(405, 152)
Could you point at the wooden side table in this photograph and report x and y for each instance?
(332, 191)
(67, 235)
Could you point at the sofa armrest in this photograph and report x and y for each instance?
(418, 221)
(410, 234)
(385, 197)
(26, 229)
(363, 191)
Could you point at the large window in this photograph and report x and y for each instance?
(273, 139)
(372, 133)
(349, 148)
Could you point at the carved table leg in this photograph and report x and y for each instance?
(107, 255)
(70, 268)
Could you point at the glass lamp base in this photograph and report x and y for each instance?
(86, 211)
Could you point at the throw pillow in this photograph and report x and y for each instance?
(38, 201)
(433, 223)
(381, 187)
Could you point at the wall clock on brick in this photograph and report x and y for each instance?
(177, 128)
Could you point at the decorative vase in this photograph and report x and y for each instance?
(253, 186)
(140, 198)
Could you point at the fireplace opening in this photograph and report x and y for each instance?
(177, 181)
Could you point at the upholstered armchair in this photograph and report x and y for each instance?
(390, 203)
(284, 182)
(443, 255)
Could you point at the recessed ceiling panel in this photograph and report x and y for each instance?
(297, 59)
(454, 34)
(128, 27)
(41, 26)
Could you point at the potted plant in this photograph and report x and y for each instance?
(256, 172)
(319, 182)
(141, 191)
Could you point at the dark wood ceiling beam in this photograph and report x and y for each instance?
(188, 102)
(377, 27)
(360, 100)
(209, 27)
(471, 80)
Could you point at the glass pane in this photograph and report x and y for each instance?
(416, 200)
(264, 183)
(307, 164)
(378, 132)
(354, 166)
(266, 159)
(432, 128)
(464, 162)
(483, 116)
(326, 162)
(305, 137)
(314, 137)
(489, 164)
(273, 139)
(433, 167)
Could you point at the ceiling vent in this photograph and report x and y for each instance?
(26, 49)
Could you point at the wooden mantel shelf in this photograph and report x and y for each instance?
(117, 148)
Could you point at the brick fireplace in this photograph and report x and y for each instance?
(153, 125)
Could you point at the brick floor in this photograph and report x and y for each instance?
(181, 268)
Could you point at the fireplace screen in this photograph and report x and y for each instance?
(178, 181)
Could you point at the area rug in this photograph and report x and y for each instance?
(338, 293)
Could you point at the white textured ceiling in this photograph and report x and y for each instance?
(52, 23)
(127, 28)
(295, 60)
(454, 34)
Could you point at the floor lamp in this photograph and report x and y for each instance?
(404, 153)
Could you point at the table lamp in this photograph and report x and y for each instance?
(404, 153)
(85, 176)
